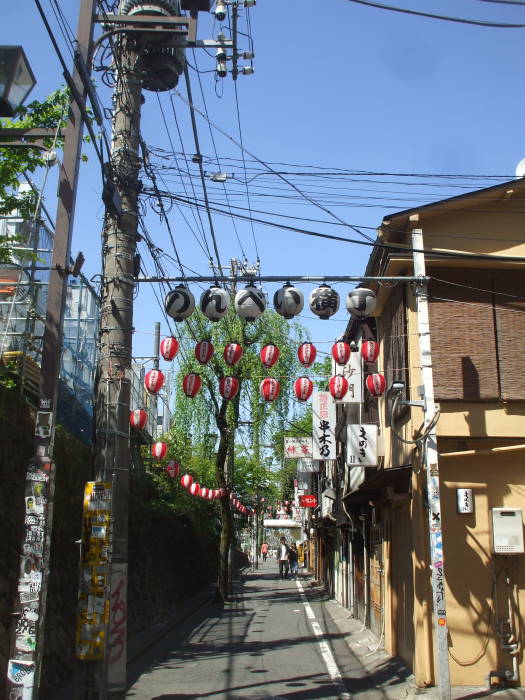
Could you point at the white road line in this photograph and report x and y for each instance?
(326, 653)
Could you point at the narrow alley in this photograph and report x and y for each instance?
(276, 639)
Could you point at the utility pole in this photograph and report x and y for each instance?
(431, 467)
(113, 380)
(29, 614)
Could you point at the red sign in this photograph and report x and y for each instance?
(308, 501)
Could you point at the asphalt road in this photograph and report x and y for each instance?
(275, 640)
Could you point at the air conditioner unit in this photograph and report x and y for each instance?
(507, 531)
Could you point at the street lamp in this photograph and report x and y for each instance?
(16, 79)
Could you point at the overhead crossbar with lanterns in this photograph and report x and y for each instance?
(281, 278)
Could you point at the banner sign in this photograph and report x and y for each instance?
(354, 374)
(303, 481)
(324, 420)
(361, 445)
(308, 501)
(307, 465)
(93, 605)
(295, 447)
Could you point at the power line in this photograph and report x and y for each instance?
(430, 15)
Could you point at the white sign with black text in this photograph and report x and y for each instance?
(361, 445)
(324, 420)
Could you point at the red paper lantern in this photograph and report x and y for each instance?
(303, 388)
(338, 386)
(204, 351)
(307, 354)
(232, 354)
(229, 387)
(203, 493)
(187, 481)
(269, 355)
(191, 384)
(173, 468)
(370, 351)
(138, 418)
(159, 450)
(269, 388)
(153, 381)
(341, 352)
(169, 348)
(210, 495)
(376, 384)
(194, 489)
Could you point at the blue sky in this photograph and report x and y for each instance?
(337, 85)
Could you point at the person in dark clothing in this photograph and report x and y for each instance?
(282, 555)
(292, 559)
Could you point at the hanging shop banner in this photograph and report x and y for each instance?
(353, 372)
(361, 445)
(307, 465)
(296, 448)
(308, 501)
(304, 481)
(324, 420)
(93, 606)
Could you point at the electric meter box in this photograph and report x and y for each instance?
(507, 531)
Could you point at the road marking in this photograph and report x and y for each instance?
(326, 653)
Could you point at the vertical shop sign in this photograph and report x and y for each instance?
(324, 419)
(361, 445)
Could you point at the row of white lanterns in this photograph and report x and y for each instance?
(250, 302)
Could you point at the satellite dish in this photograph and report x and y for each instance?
(520, 168)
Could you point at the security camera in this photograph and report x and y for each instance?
(396, 387)
(220, 11)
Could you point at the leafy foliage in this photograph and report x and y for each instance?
(50, 113)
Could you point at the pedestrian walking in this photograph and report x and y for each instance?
(264, 550)
(283, 558)
(292, 559)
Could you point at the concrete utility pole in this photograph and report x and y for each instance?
(29, 615)
(431, 467)
(113, 380)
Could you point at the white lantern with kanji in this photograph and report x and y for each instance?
(303, 388)
(169, 348)
(361, 302)
(250, 302)
(288, 301)
(324, 301)
(269, 355)
(179, 303)
(214, 303)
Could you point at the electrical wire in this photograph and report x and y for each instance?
(430, 15)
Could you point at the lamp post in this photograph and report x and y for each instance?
(16, 79)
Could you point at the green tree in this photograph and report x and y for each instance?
(209, 413)
(51, 113)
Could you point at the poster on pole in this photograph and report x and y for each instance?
(297, 447)
(93, 605)
(324, 420)
(307, 465)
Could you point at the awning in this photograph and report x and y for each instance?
(397, 477)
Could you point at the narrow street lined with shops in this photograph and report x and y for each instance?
(275, 639)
